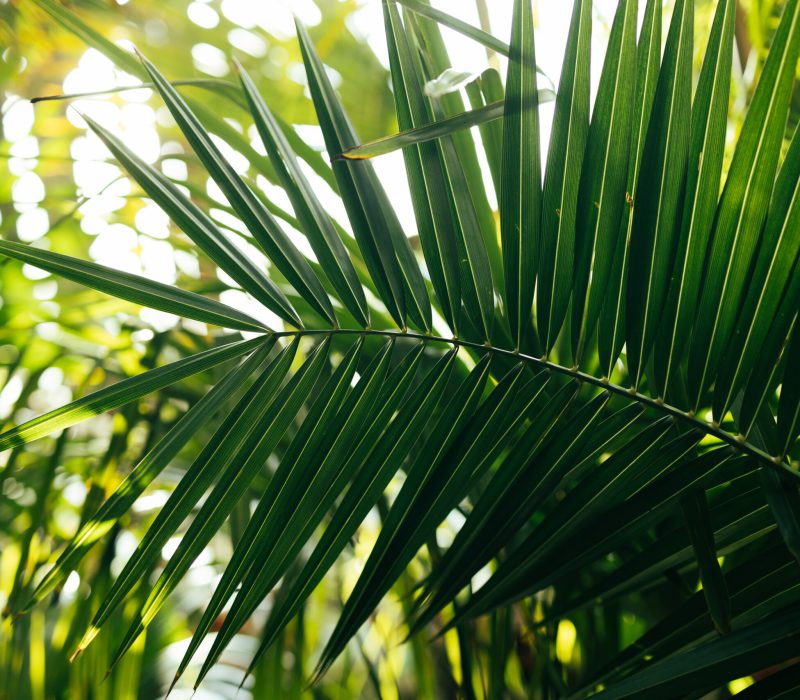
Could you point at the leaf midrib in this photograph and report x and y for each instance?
(630, 393)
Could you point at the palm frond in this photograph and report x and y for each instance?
(602, 385)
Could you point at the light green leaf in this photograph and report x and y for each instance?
(604, 176)
(383, 243)
(368, 484)
(425, 171)
(237, 430)
(435, 130)
(133, 288)
(656, 203)
(316, 223)
(254, 215)
(562, 175)
(743, 206)
(278, 501)
(148, 468)
(520, 186)
(123, 392)
(198, 226)
(236, 474)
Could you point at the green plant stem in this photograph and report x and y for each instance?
(737, 441)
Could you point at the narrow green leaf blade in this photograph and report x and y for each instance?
(133, 288)
(426, 176)
(709, 125)
(236, 430)
(316, 223)
(658, 192)
(270, 237)
(277, 503)
(611, 328)
(701, 533)
(386, 250)
(562, 175)
(520, 189)
(150, 466)
(704, 668)
(777, 263)
(197, 225)
(743, 206)
(236, 475)
(385, 561)
(123, 392)
(435, 130)
(789, 404)
(364, 490)
(604, 176)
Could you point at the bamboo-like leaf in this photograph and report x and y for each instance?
(743, 205)
(123, 392)
(386, 250)
(520, 188)
(148, 468)
(488, 88)
(267, 233)
(704, 168)
(367, 486)
(658, 191)
(477, 291)
(434, 56)
(562, 175)
(198, 226)
(435, 130)
(364, 424)
(771, 279)
(611, 328)
(238, 429)
(133, 288)
(427, 180)
(457, 25)
(698, 525)
(604, 176)
(316, 224)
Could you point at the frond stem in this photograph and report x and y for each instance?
(739, 442)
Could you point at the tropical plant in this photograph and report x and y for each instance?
(603, 389)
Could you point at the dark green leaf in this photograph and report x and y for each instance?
(656, 204)
(562, 176)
